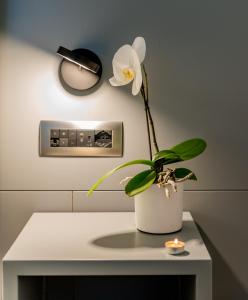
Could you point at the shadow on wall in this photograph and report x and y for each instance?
(44, 25)
(225, 284)
(49, 24)
(3, 14)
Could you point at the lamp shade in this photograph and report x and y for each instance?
(80, 69)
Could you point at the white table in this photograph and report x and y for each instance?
(102, 244)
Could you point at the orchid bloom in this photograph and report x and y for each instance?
(127, 65)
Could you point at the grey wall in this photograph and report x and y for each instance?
(197, 66)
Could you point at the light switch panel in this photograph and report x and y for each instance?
(81, 138)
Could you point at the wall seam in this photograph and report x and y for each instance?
(72, 201)
(188, 190)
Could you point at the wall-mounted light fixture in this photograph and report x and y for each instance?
(80, 69)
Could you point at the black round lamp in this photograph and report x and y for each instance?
(80, 69)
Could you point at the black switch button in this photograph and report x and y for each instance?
(63, 142)
(85, 138)
(63, 133)
(54, 133)
(72, 134)
(80, 141)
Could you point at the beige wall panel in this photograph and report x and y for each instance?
(17, 207)
(102, 201)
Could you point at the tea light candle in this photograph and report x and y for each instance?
(175, 247)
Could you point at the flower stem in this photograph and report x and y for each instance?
(147, 122)
(145, 95)
(155, 144)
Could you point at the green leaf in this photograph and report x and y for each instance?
(190, 148)
(133, 162)
(168, 157)
(182, 172)
(140, 182)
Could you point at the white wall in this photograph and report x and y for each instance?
(197, 66)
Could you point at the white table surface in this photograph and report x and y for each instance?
(99, 236)
(85, 244)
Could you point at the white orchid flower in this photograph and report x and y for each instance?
(127, 65)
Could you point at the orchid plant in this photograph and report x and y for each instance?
(128, 67)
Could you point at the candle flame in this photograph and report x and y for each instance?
(176, 241)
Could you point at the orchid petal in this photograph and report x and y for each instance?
(123, 56)
(117, 70)
(138, 75)
(127, 66)
(122, 59)
(114, 82)
(139, 45)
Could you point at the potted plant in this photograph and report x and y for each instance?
(158, 190)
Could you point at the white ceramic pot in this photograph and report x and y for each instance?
(155, 213)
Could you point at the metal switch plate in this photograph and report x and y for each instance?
(81, 138)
